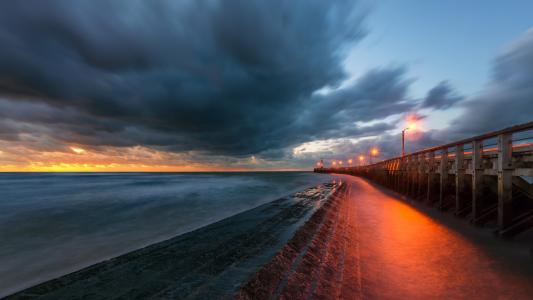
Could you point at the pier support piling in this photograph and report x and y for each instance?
(505, 182)
(460, 201)
(477, 180)
(443, 170)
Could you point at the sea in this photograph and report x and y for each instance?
(52, 224)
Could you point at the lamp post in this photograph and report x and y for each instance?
(403, 141)
(411, 125)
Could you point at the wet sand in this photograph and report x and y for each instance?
(209, 263)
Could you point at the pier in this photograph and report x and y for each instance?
(366, 243)
(486, 178)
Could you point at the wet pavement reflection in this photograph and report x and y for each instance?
(406, 254)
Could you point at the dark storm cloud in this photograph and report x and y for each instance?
(442, 96)
(228, 77)
(508, 98)
(377, 94)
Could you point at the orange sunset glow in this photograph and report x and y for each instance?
(109, 159)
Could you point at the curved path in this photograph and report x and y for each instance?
(365, 243)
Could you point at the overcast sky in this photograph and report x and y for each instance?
(252, 85)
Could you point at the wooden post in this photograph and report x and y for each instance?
(409, 173)
(421, 173)
(505, 182)
(405, 174)
(416, 177)
(431, 177)
(386, 169)
(397, 175)
(401, 185)
(383, 173)
(390, 179)
(408, 177)
(477, 180)
(443, 168)
(459, 178)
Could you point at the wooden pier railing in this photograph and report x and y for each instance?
(486, 178)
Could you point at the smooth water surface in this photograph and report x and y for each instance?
(52, 224)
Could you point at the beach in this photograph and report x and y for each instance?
(53, 224)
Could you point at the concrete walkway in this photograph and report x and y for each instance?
(368, 244)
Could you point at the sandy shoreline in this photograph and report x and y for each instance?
(213, 261)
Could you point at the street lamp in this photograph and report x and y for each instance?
(373, 152)
(410, 126)
(350, 161)
(361, 159)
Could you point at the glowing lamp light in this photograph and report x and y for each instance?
(340, 162)
(361, 158)
(374, 151)
(412, 122)
(333, 162)
(350, 161)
